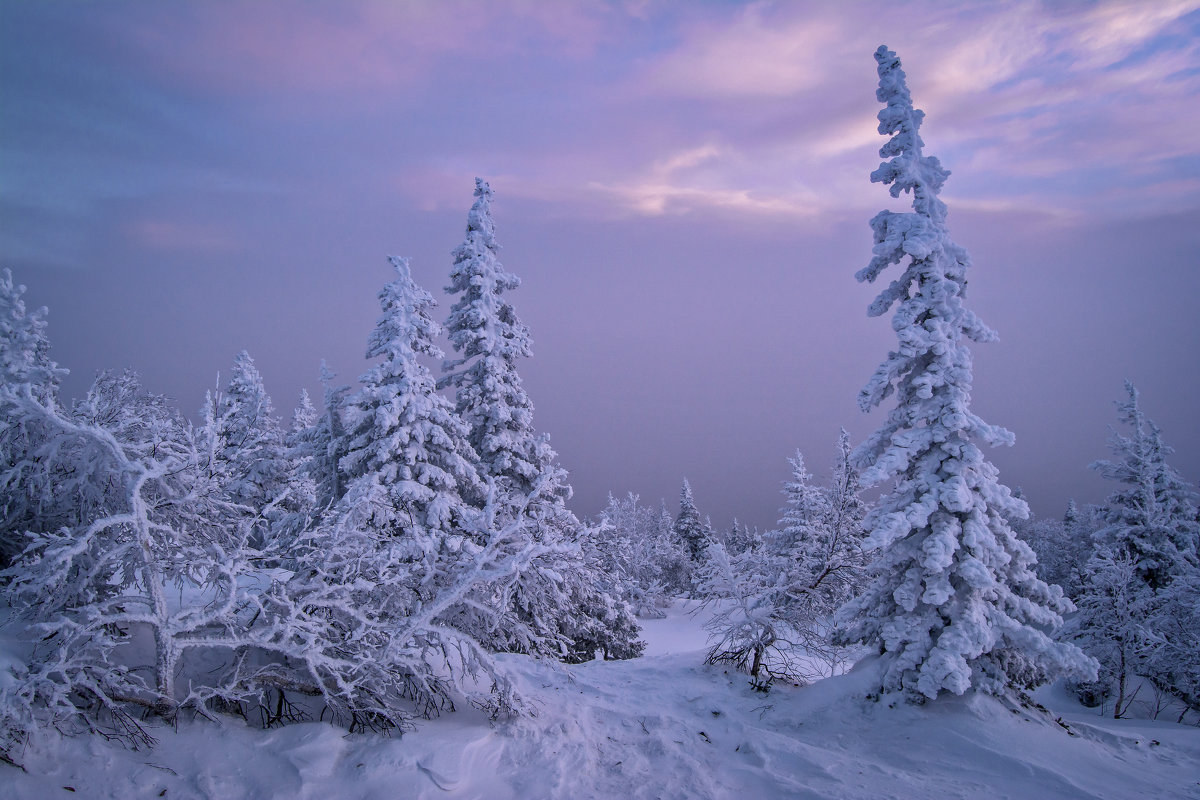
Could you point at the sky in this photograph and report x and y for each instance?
(683, 188)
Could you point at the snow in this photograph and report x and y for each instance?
(659, 726)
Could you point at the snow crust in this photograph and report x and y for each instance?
(659, 726)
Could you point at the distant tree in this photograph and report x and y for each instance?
(1152, 517)
(1141, 593)
(844, 564)
(821, 532)
(803, 539)
(244, 439)
(777, 596)
(673, 557)
(1063, 546)
(25, 366)
(689, 529)
(636, 545)
(953, 602)
(326, 442)
(739, 538)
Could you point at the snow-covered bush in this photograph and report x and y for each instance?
(150, 568)
(773, 601)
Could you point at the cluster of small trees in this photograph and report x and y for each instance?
(776, 597)
(1132, 568)
(372, 556)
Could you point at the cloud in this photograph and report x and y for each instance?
(749, 55)
(1024, 99)
(164, 234)
(368, 46)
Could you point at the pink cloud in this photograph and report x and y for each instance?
(163, 234)
(352, 46)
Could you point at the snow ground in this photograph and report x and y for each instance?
(661, 726)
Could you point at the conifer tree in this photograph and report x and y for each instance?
(1152, 517)
(25, 367)
(490, 339)
(689, 530)
(1140, 598)
(953, 603)
(402, 435)
(327, 441)
(244, 440)
(296, 509)
(559, 598)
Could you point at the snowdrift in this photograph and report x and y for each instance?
(660, 726)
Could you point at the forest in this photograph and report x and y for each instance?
(381, 557)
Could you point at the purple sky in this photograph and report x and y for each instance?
(683, 188)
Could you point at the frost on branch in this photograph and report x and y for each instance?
(150, 595)
(953, 603)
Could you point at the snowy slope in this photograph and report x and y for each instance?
(661, 726)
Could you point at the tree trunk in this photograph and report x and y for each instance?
(758, 654)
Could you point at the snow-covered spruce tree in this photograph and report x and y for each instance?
(401, 434)
(24, 362)
(558, 598)
(245, 441)
(296, 510)
(1143, 579)
(489, 339)
(953, 602)
(1153, 516)
(689, 529)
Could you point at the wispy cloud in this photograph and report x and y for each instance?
(1049, 91)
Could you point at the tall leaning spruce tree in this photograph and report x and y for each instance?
(953, 603)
